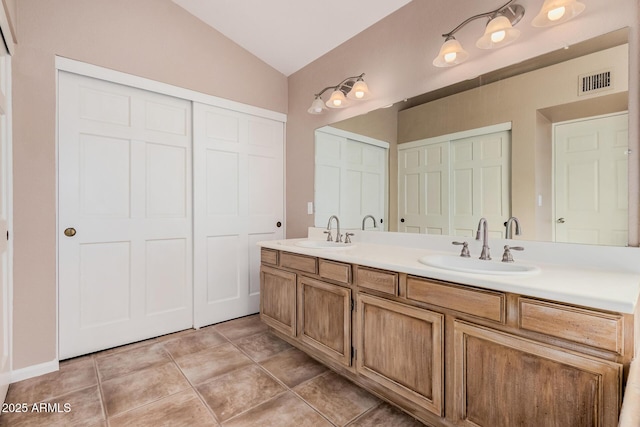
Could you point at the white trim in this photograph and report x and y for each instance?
(586, 119)
(351, 135)
(34, 371)
(9, 112)
(456, 135)
(89, 70)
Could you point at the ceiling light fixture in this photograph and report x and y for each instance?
(351, 87)
(555, 12)
(499, 32)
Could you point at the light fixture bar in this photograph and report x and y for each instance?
(514, 14)
(499, 32)
(353, 87)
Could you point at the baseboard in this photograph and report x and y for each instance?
(34, 371)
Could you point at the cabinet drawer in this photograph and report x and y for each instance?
(378, 280)
(304, 263)
(269, 256)
(600, 330)
(480, 303)
(336, 271)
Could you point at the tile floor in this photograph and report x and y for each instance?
(231, 374)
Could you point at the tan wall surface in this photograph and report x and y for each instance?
(396, 55)
(155, 39)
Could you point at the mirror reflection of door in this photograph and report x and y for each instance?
(591, 183)
(447, 183)
(351, 178)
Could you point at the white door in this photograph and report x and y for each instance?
(591, 182)
(5, 218)
(125, 191)
(480, 177)
(238, 201)
(424, 189)
(446, 185)
(352, 179)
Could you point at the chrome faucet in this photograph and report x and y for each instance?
(483, 226)
(508, 234)
(338, 235)
(372, 218)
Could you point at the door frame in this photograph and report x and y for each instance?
(118, 77)
(553, 165)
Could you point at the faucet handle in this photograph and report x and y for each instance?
(506, 256)
(465, 249)
(329, 237)
(347, 237)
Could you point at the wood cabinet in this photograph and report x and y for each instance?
(452, 354)
(324, 318)
(502, 381)
(278, 299)
(401, 347)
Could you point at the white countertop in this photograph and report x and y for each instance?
(579, 281)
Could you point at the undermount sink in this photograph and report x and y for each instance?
(478, 266)
(323, 244)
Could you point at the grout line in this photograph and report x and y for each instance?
(193, 387)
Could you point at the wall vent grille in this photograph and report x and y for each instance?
(594, 82)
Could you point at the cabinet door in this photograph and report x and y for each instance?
(401, 347)
(278, 299)
(502, 380)
(324, 318)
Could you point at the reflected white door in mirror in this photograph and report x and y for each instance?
(447, 183)
(350, 177)
(590, 180)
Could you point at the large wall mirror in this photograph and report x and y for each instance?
(544, 140)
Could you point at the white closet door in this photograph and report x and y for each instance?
(351, 180)
(424, 189)
(238, 201)
(124, 189)
(480, 177)
(591, 184)
(364, 183)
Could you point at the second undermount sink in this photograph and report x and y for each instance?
(478, 266)
(323, 244)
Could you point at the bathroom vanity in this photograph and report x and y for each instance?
(549, 346)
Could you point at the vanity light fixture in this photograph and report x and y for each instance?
(555, 12)
(351, 87)
(499, 32)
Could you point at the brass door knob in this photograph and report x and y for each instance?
(70, 232)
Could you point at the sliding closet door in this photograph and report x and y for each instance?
(5, 219)
(125, 215)
(238, 201)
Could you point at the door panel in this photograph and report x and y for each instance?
(124, 186)
(238, 201)
(591, 185)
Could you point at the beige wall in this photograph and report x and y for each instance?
(518, 100)
(150, 38)
(396, 55)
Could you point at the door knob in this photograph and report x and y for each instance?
(560, 221)
(70, 232)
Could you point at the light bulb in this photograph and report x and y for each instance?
(450, 57)
(498, 36)
(359, 94)
(555, 14)
(337, 102)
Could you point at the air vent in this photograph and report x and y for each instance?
(594, 82)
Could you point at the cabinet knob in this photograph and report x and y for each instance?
(560, 221)
(70, 232)
(401, 219)
(278, 224)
